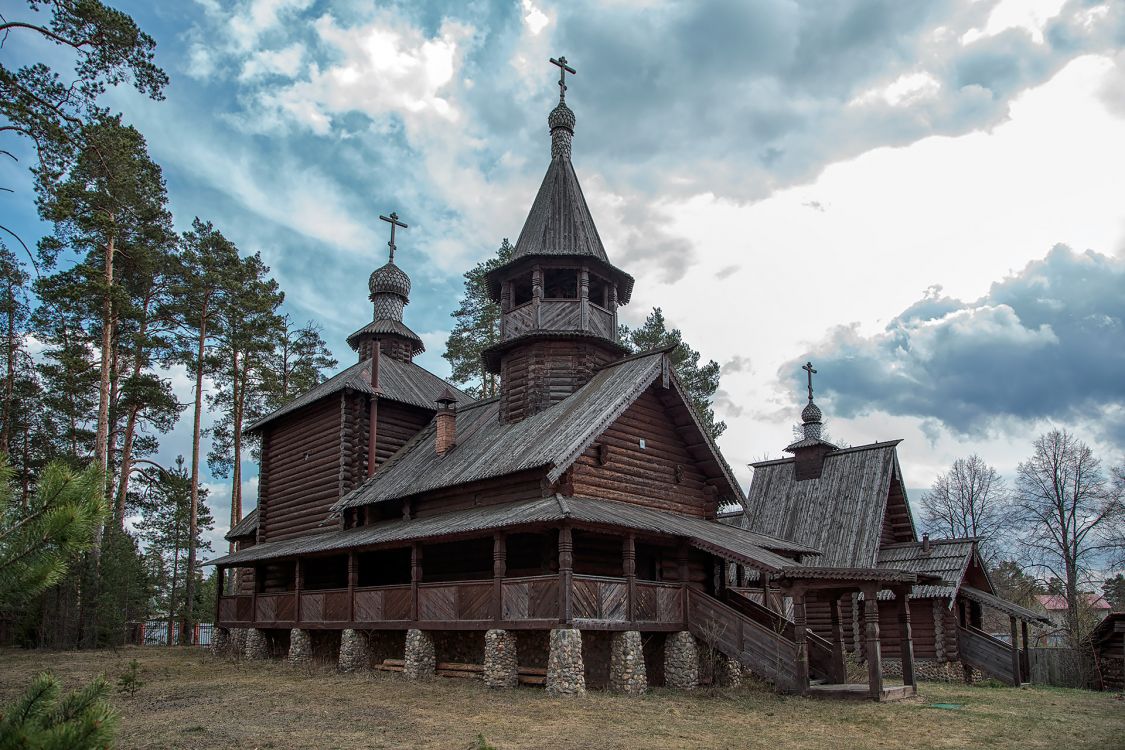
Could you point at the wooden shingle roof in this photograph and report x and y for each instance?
(248, 526)
(840, 513)
(733, 543)
(947, 559)
(550, 440)
(404, 382)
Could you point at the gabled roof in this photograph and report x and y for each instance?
(404, 382)
(1057, 602)
(736, 544)
(248, 526)
(550, 440)
(948, 559)
(560, 224)
(385, 325)
(840, 513)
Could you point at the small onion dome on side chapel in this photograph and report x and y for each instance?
(389, 288)
(810, 450)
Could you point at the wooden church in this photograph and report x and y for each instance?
(567, 532)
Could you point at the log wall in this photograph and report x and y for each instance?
(301, 461)
(645, 476)
(540, 373)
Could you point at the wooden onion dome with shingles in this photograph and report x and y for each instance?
(558, 294)
(390, 293)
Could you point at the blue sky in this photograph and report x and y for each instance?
(922, 197)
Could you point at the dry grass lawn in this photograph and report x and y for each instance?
(191, 700)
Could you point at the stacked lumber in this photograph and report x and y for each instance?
(536, 676)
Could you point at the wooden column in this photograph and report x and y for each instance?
(871, 638)
(839, 668)
(537, 294)
(584, 299)
(566, 573)
(1015, 651)
(254, 596)
(961, 613)
(1026, 653)
(682, 567)
(739, 575)
(219, 578)
(765, 590)
(297, 590)
(353, 574)
(499, 570)
(415, 578)
(906, 640)
(629, 570)
(800, 637)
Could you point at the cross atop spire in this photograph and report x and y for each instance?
(563, 70)
(394, 222)
(809, 369)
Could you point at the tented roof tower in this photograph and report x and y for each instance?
(559, 293)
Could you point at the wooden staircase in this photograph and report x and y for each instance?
(991, 656)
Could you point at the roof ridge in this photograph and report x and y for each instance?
(638, 355)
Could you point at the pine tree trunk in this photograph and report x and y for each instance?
(193, 513)
(130, 425)
(10, 381)
(238, 386)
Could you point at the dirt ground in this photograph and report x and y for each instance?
(192, 700)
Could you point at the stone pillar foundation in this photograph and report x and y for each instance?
(681, 661)
(566, 672)
(257, 646)
(355, 652)
(300, 647)
(220, 641)
(500, 663)
(420, 660)
(729, 672)
(627, 663)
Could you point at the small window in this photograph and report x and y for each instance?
(560, 283)
(599, 291)
(521, 290)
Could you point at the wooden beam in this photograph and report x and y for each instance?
(1015, 651)
(874, 655)
(839, 667)
(499, 570)
(353, 574)
(566, 573)
(297, 590)
(415, 577)
(800, 637)
(629, 569)
(906, 640)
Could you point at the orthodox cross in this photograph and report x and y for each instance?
(394, 222)
(563, 70)
(809, 369)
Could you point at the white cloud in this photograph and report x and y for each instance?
(534, 18)
(903, 91)
(1029, 15)
(285, 62)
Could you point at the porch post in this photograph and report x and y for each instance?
(1026, 653)
(499, 570)
(629, 569)
(739, 575)
(353, 573)
(874, 657)
(566, 573)
(840, 671)
(906, 640)
(765, 590)
(415, 578)
(1015, 651)
(799, 636)
(254, 597)
(297, 590)
(219, 578)
(682, 567)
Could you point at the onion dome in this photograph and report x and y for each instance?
(811, 414)
(389, 279)
(561, 121)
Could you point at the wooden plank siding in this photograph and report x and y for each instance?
(644, 476)
(541, 373)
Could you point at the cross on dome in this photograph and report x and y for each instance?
(809, 369)
(394, 222)
(563, 70)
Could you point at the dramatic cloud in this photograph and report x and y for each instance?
(1045, 343)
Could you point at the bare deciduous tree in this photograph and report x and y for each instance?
(969, 500)
(1067, 512)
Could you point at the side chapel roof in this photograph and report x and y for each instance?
(248, 526)
(552, 439)
(949, 559)
(404, 382)
(840, 513)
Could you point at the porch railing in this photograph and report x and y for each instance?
(523, 600)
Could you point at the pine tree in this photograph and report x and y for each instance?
(477, 328)
(700, 382)
(81, 720)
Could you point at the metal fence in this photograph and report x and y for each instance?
(155, 633)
